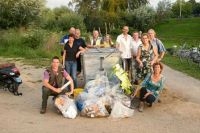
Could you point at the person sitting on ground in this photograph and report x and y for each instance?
(52, 82)
(157, 43)
(95, 41)
(151, 86)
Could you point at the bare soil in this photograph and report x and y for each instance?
(179, 110)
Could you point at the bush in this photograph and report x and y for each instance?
(16, 13)
(116, 32)
(34, 38)
(34, 43)
(61, 19)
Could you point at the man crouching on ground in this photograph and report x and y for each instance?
(52, 82)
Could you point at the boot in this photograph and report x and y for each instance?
(141, 107)
(43, 111)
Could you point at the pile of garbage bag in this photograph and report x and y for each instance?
(102, 97)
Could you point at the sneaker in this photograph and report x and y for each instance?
(141, 107)
(43, 111)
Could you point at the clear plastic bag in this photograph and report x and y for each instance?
(67, 106)
(98, 86)
(96, 109)
(121, 111)
(84, 99)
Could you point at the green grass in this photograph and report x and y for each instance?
(191, 69)
(177, 32)
(29, 44)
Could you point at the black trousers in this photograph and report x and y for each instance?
(46, 93)
(149, 99)
(79, 64)
(126, 64)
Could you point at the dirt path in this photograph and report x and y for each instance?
(185, 86)
(178, 112)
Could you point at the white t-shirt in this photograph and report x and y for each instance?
(125, 45)
(135, 46)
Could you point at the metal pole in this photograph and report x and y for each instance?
(101, 64)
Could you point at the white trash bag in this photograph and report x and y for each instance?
(119, 110)
(67, 106)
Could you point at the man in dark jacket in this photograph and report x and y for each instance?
(52, 82)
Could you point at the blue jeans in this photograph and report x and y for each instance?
(71, 68)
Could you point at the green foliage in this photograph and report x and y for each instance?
(35, 43)
(142, 18)
(107, 14)
(179, 31)
(191, 69)
(163, 10)
(15, 13)
(85, 7)
(34, 38)
(185, 7)
(196, 9)
(61, 19)
(115, 32)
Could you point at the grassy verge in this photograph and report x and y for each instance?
(191, 69)
(177, 32)
(29, 44)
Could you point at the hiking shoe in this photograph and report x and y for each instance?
(141, 107)
(136, 82)
(43, 111)
(159, 101)
(150, 104)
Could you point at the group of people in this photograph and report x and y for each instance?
(72, 46)
(145, 52)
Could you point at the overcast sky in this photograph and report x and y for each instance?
(58, 3)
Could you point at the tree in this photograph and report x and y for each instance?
(61, 19)
(19, 12)
(142, 18)
(102, 13)
(83, 6)
(163, 9)
(182, 9)
(195, 7)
